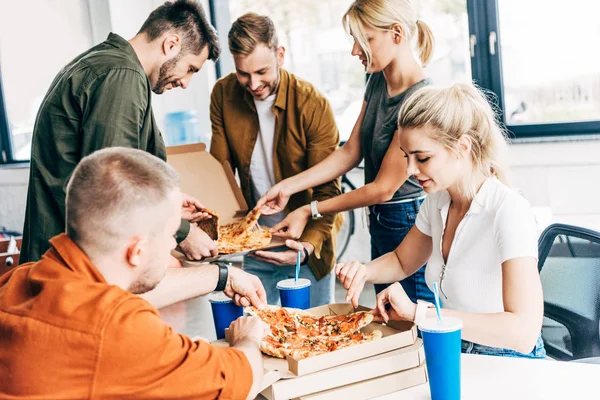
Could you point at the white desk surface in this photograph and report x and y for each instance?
(488, 377)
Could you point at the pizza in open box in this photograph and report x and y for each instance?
(301, 334)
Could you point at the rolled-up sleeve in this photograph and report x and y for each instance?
(141, 356)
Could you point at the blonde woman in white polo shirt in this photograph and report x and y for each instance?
(476, 234)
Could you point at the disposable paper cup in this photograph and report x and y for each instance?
(442, 341)
(224, 312)
(294, 294)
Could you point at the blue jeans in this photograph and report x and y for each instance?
(474, 348)
(389, 224)
(321, 291)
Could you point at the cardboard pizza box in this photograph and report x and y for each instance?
(396, 334)
(213, 183)
(374, 387)
(347, 375)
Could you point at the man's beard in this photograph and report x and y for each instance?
(271, 87)
(144, 284)
(164, 75)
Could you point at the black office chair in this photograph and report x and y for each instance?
(569, 265)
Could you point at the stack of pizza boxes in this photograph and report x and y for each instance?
(394, 362)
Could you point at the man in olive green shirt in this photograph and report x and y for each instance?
(271, 125)
(103, 99)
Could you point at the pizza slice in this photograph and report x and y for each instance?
(211, 225)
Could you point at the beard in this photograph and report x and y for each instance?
(270, 88)
(165, 75)
(145, 283)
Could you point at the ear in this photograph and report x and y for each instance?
(135, 251)
(464, 145)
(397, 33)
(171, 45)
(280, 55)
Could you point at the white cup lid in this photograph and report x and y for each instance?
(219, 297)
(448, 324)
(290, 284)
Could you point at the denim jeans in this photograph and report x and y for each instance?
(321, 291)
(474, 348)
(389, 224)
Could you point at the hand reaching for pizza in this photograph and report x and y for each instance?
(402, 307)
(293, 225)
(245, 289)
(198, 244)
(191, 209)
(274, 200)
(353, 276)
(247, 328)
(285, 258)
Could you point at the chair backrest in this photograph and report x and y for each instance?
(8, 260)
(569, 265)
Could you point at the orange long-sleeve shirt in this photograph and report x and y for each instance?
(66, 333)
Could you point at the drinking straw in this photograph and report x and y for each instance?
(437, 301)
(298, 266)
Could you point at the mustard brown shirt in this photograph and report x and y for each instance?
(305, 134)
(100, 99)
(65, 333)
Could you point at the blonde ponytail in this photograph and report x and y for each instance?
(449, 113)
(425, 42)
(383, 15)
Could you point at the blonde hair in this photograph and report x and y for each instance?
(451, 112)
(383, 14)
(250, 30)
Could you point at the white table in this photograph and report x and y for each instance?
(483, 377)
(488, 377)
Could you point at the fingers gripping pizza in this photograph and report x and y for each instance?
(301, 334)
(238, 236)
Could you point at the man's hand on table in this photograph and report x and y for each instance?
(198, 244)
(245, 289)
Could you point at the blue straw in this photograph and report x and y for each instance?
(437, 300)
(298, 266)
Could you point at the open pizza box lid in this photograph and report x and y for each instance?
(213, 183)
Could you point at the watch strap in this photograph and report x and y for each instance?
(314, 210)
(223, 277)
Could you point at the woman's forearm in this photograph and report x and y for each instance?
(385, 269)
(362, 197)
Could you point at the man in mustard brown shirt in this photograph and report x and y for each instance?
(72, 325)
(270, 125)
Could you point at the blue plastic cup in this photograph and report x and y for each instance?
(294, 294)
(442, 355)
(224, 312)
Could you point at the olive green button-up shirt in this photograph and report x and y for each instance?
(305, 134)
(100, 99)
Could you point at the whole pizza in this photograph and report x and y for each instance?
(300, 334)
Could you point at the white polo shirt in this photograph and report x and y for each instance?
(499, 226)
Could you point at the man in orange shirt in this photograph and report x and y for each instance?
(72, 325)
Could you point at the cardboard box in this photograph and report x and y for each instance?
(213, 184)
(396, 334)
(374, 387)
(348, 374)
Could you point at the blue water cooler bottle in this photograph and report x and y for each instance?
(183, 127)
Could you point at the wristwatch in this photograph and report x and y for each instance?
(314, 211)
(223, 277)
(421, 312)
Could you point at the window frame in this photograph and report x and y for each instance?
(487, 72)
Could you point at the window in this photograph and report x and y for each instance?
(538, 57)
(29, 60)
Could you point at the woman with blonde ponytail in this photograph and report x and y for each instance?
(385, 33)
(477, 235)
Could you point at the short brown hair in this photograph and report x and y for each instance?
(250, 30)
(116, 192)
(186, 17)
